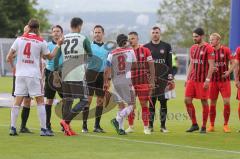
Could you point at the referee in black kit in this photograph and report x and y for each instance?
(162, 55)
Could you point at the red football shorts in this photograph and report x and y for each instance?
(142, 91)
(223, 87)
(195, 90)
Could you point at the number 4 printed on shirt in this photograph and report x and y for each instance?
(27, 50)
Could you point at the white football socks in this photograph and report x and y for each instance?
(126, 111)
(42, 115)
(14, 115)
(119, 118)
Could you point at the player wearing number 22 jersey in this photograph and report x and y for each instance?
(74, 50)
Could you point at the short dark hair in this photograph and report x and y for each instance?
(122, 40)
(33, 24)
(99, 26)
(199, 31)
(57, 26)
(75, 22)
(133, 33)
(155, 28)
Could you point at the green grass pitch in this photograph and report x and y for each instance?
(173, 145)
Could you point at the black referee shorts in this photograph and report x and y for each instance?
(49, 91)
(95, 83)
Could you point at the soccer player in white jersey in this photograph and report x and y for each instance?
(119, 65)
(29, 48)
(26, 100)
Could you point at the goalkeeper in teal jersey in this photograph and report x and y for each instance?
(75, 50)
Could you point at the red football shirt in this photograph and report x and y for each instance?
(140, 74)
(237, 57)
(199, 57)
(222, 59)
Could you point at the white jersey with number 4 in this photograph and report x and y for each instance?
(29, 49)
(120, 60)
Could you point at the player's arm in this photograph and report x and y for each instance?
(209, 74)
(236, 73)
(87, 47)
(233, 63)
(151, 68)
(50, 56)
(169, 63)
(10, 59)
(57, 59)
(230, 70)
(189, 70)
(152, 72)
(55, 50)
(12, 53)
(107, 78)
(107, 73)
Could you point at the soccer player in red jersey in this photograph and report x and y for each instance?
(142, 79)
(236, 75)
(199, 74)
(220, 82)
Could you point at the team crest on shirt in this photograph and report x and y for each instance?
(234, 54)
(212, 54)
(201, 52)
(162, 51)
(142, 55)
(222, 55)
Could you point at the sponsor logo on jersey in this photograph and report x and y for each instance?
(218, 64)
(162, 51)
(197, 61)
(212, 54)
(160, 61)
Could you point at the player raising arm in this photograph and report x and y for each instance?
(28, 49)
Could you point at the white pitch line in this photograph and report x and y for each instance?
(152, 142)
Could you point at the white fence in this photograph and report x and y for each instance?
(5, 45)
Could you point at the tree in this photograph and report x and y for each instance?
(179, 17)
(15, 14)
